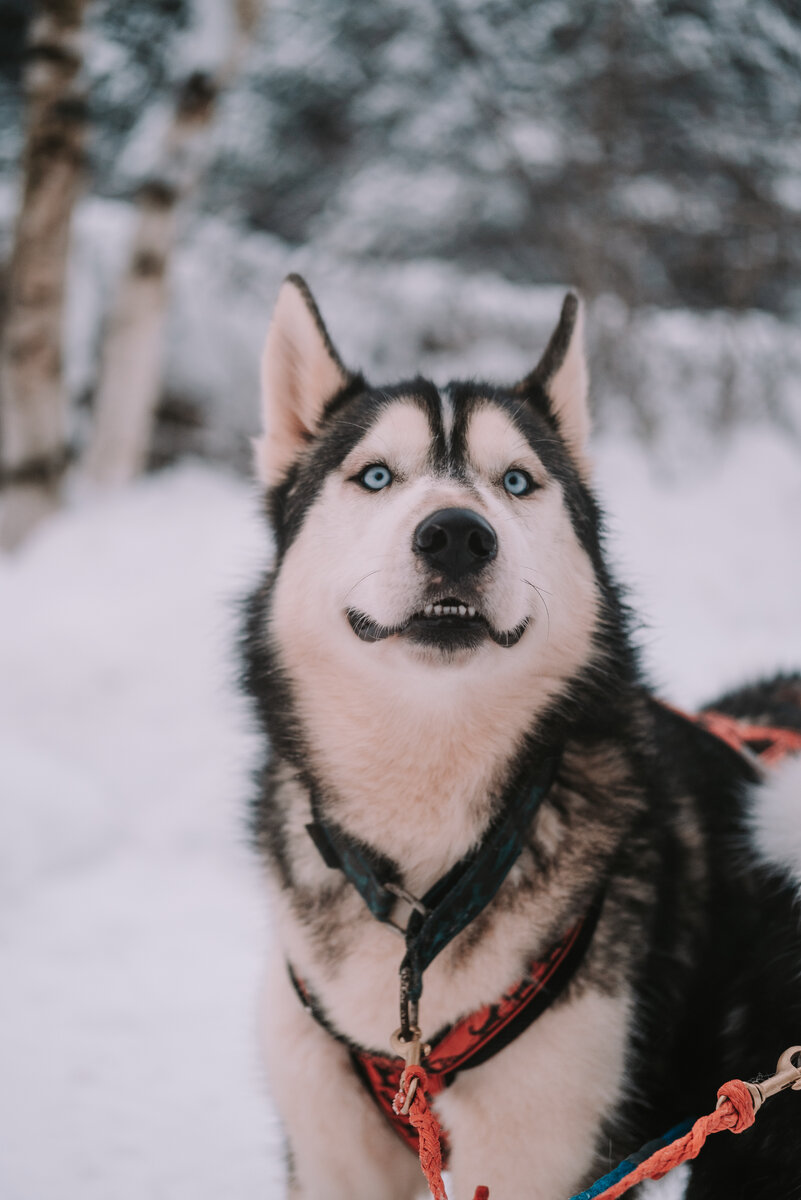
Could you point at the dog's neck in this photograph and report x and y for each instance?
(416, 774)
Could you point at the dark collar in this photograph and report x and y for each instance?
(457, 897)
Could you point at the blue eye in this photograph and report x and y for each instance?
(518, 483)
(376, 477)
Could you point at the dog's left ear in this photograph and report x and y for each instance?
(300, 372)
(563, 376)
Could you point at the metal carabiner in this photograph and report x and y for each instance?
(412, 1052)
(787, 1075)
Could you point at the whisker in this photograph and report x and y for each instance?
(358, 581)
(544, 605)
(547, 593)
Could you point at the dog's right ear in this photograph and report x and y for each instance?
(300, 372)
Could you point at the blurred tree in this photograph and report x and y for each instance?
(131, 368)
(33, 410)
(650, 148)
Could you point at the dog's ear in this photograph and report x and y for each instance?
(300, 372)
(563, 376)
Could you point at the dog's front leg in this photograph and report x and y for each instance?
(340, 1145)
(527, 1122)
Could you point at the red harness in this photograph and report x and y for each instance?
(768, 743)
(475, 1038)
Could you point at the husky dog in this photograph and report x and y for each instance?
(439, 625)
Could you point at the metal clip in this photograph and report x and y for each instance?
(411, 900)
(407, 898)
(787, 1075)
(412, 1052)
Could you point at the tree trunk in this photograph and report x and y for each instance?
(33, 408)
(131, 368)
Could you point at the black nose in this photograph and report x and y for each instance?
(456, 541)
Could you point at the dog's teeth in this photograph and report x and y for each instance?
(438, 609)
(471, 612)
(429, 608)
(462, 610)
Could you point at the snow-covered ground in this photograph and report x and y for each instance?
(131, 920)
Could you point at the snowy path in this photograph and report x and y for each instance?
(130, 915)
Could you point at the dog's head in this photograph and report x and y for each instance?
(448, 529)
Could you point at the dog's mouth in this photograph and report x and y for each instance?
(448, 623)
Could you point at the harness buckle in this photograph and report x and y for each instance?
(412, 1051)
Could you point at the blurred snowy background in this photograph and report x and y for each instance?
(439, 173)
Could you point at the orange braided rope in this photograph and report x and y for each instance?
(736, 1112)
(429, 1131)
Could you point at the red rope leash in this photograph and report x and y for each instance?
(429, 1132)
(736, 1112)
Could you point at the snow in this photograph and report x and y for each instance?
(711, 557)
(132, 922)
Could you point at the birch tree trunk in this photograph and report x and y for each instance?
(131, 367)
(33, 407)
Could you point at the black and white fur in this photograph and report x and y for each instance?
(410, 727)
